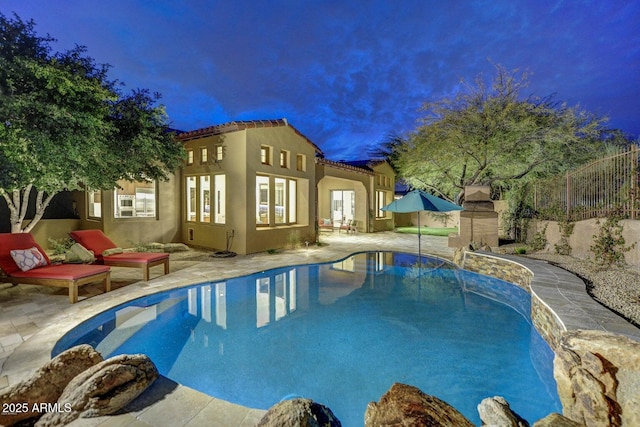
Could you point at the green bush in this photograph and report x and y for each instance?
(60, 246)
(539, 241)
(608, 245)
(521, 251)
(566, 230)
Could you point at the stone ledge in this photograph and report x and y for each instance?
(559, 300)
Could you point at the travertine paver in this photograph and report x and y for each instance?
(23, 349)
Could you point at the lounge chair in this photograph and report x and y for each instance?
(345, 226)
(325, 224)
(98, 242)
(39, 269)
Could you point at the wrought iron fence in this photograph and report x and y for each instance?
(596, 190)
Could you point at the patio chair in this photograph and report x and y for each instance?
(107, 253)
(353, 227)
(345, 226)
(325, 224)
(23, 261)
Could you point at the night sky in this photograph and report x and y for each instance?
(349, 73)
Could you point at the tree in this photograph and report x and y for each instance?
(490, 136)
(65, 126)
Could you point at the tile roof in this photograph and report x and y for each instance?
(356, 166)
(241, 125)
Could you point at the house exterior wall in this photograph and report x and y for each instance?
(126, 232)
(241, 164)
(377, 177)
(384, 181)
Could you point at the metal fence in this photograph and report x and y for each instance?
(599, 189)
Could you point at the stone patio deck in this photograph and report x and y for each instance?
(33, 318)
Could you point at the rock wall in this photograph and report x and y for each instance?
(597, 373)
(598, 377)
(544, 319)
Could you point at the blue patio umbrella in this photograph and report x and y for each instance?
(418, 200)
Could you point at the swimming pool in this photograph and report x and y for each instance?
(341, 333)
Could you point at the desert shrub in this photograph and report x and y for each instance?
(566, 230)
(609, 245)
(539, 241)
(60, 246)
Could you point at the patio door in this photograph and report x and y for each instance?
(343, 205)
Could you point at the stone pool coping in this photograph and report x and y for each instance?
(559, 302)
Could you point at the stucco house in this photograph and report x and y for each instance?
(246, 186)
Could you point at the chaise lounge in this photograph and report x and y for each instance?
(103, 249)
(23, 261)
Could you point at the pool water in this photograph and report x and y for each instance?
(341, 334)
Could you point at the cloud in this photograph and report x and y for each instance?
(349, 73)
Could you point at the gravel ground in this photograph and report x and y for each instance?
(617, 288)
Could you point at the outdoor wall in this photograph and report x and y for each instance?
(582, 237)
(126, 232)
(428, 219)
(53, 228)
(328, 183)
(233, 166)
(261, 238)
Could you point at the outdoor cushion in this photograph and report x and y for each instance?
(112, 251)
(13, 241)
(28, 259)
(63, 271)
(94, 240)
(80, 253)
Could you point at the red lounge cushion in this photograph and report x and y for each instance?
(137, 257)
(94, 240)
(12, 241)
(62, 271)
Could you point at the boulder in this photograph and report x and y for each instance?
(598, 377)
(47, 383)
(405, 405)
(102, 389)
(556, 420)
(496, 411)
(299, 412)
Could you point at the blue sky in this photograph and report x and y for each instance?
(349, 73)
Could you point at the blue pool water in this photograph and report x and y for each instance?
(341, 334)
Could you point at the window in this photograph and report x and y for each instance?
(343, 205)
(189, 157)
(293, 205)
(284, 159)
(191, 198)
(135, 199)
(219, 152)
(94, 204)
(265, 155)
(281, 200)
(204, 155)
(219, 182)
(380, 203)
(262, 200)
(301, 162)
(284, 203)
(206, 198)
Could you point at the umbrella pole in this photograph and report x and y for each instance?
(419, 244)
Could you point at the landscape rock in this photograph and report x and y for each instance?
(299, 412)
(496, 411)
(405, 405)
(598, 377)
(103, 389)
(556, 420)
(47, 383)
